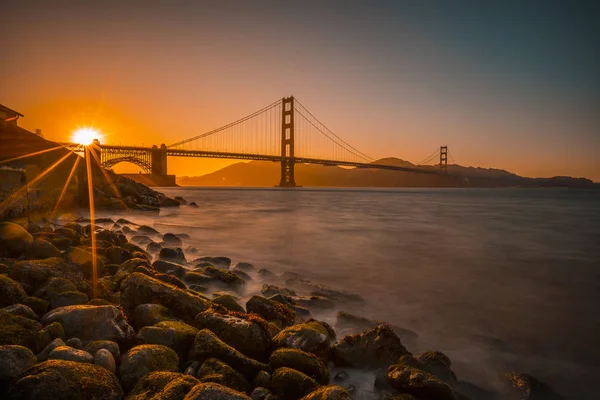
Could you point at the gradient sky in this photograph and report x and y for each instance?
(506, 84)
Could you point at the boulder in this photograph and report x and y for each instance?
(14, 239)
(370, 350)
(32, 273)
(263, 378)
(171, 268)
(300, 361)
(12, 291)
(226, 278)
(104, 358)
(153, 247)
(39, 306)
(352, 324)
(163, 385)
(41, 249)
(331, 392)
(75, 343)
(420, 384)
(90, 323)
(13, 361)
(172, 240)
(17, 330)
(261, 393)
(207, 345)
(147, 230)
(43, 355)
(68, 299)
(179, 336)
(291, 384)
(21, 310)
(229, 302)
(312, 336)
(526, 387)
(314, 302)
(66, 380)
(216, 371)
(272, 290)
(96, 345)
(172, 254)
(70, 354)
(170, 279)
(143, 359)
(141, 240)
(214, 391)
(53, 287)
(249, 336)
(79, 256)
(142, 289)
(45, 336)
(271, 310)
(243, 266)
(151, 314)
(117, 255)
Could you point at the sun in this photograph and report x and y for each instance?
(85, 136)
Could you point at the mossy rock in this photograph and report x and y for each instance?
(14, 239)
(177, 335)
(39, 306)
(70, 354)
(214, 391)
(58, 379)
(419, 383)
(331, 392)
(12, 292)
(141, 360)
(53, 287)
(21, 310)
(151, 314)
(41, 249)
(225, 277)
(17, 330)
(33, 273)
(312, 336)
(292, 384)
(525, 386)
(68, 299)
(271, 310)
(45, 336)
(109, 345)
(215, 370)
(301, 361)
(229, 302)
(13, 361)
(162, 385)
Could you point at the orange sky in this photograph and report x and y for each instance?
(387, 85)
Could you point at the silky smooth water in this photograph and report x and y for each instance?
(498, 279)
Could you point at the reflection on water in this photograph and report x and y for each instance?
(497, 279)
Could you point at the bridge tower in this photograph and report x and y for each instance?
(444, 158)
(287, 143)
(159, 160)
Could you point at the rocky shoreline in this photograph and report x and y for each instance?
(165, 324)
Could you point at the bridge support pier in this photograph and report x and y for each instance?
(287, 143)
(159, 160)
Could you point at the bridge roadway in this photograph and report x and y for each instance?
(261, 157)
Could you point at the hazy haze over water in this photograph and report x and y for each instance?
(497, 279)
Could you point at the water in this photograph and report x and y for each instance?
(497, 279)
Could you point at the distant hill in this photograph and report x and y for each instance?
(265, 174)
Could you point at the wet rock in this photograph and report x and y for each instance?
(172, 254)
(227, 278)
(128, 267)
(373, 349)
(170, 268)
(79, 256)
(271, 310)
(70, 354)
(214, 391)
(13, 361)
(170, 279)
(242, 275)
(248, 336)
(350, 323)
(114, 238)
(243, 266)
(272, 290)
(207, 345)
(220, 262)
(163, 385)
(263, 378)
(14, 239)
(143, 359)
(291, 384)
(141, 240)
(179, 336)
(261, 393)
(60, 379)
(229, 302)
(302, 314)
(339, 296)
(192, 368)
(198, 278)
(314, 302)
(331, 392)
(75, 343)
(68, 299)
(198, 288)
(39, 306)
(53, 287)
(216, 371)
(17, 330)
(12, 291)
(43, 249)
(265, 273)
(99, 302)
(172, 240)
(111, 346)
(526, 387)
(116, 255)
(91, 323)
(300, 361)
(43, 355)
(33, 273)
(193, 204)
(45, 336)
(142, 289)
(21, 310)
(151, 314)
(147, 230)
(314, 337)
(419, 383)
(104, 358)
(153, 247)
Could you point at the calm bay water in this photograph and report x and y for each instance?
(497, 279)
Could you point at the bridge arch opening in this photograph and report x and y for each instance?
(128, 165)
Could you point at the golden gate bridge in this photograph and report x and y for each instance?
(284, 132)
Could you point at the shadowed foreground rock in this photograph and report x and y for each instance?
(163, 385)
(300, 361)
(13, 361)
(143, 359)
(332, 392)
(214, 391)
(66, 380)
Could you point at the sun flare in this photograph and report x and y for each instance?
(86, 136)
